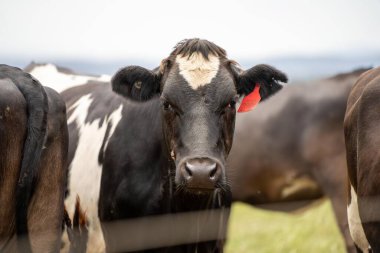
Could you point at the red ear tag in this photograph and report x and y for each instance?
(251, 100)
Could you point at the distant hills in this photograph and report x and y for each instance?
(297, 68)
(304, 68)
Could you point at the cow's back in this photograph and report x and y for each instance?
(361, 126)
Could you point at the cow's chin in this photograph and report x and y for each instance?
(192, 199)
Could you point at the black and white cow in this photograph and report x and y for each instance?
(33, 169)
(362, 136)
(61, 78)
(161, 146)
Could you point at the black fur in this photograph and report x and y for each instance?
(126, 80)
(189, 46)
(37, 108)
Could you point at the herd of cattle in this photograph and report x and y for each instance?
(151, 160)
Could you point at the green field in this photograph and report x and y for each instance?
(255, 230)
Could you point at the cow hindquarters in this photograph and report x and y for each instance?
(13, 122)
(368, 163)
(45, 214)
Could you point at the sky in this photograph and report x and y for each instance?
(119, 29)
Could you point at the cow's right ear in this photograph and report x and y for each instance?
(136, 83)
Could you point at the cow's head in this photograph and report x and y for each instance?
(198, 87)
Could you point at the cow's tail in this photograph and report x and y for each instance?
(37, 109)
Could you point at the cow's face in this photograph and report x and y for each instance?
(198, 88)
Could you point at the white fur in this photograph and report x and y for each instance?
(48, 75)
(196, 70)
(85, 171)
(355, 223)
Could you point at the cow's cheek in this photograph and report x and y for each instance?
(228, 127)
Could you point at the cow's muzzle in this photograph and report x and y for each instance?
(200, 174)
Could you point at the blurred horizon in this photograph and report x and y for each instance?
(298, 68)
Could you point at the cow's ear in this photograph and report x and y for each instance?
(261, 78)
(136, 83)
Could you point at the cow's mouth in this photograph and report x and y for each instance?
(195, 190)
(200, 190)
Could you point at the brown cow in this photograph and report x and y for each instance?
(361, 128)
(303, 158)
(33, 151)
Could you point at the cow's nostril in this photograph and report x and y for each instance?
(201, 173)
(213, 172)
(188, 170)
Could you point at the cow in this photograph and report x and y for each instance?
(33, 163)
(361, 129)
(156, 144)
(61, 78)
(290, 150)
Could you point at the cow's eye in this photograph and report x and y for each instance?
(171, 108)
(168, 107)
(230, 107)
(232, 104)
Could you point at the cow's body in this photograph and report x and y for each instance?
(89, 129)
(33, 155)
(305, 157)
(361, 127)
(140, 161)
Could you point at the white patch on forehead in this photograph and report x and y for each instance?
(197, 70)
(85, 171)
(355, 223)
(49, 76)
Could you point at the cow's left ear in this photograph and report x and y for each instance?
(264, 76)
(136, 83)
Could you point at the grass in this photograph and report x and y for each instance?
(255, 230)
